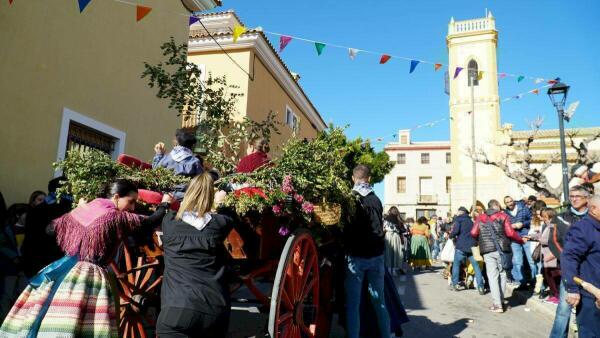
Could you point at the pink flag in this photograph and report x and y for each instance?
(283, 41)
(502, 75)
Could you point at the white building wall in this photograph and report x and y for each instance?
(437, 169)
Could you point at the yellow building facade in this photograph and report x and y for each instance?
(72, 79)
(252, 64)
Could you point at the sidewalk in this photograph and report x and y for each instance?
(547, 310)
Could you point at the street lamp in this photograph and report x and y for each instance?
(558, 96)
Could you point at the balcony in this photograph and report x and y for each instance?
(427, 199)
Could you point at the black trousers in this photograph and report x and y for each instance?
(176, 322)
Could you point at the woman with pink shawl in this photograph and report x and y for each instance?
(74, 297)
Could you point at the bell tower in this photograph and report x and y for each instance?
(474, 108)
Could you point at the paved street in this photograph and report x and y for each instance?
(434, 311)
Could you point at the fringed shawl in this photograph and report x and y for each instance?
(94, 230)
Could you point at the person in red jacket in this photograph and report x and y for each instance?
(495, 233)
(257, 156)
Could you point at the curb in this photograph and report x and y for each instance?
(542, 308)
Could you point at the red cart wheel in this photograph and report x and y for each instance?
(295, 297)
(138, 286)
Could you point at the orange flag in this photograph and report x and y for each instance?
(536, 91)
(141, 12)
(384, 58)
(437, 66)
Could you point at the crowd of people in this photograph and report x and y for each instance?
(524, 244)
(54, 260)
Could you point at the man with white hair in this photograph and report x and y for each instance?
(581, 258)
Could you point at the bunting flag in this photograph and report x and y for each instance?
(352, 53)
(413, 65)
(193, 20)
(384, 58)
(437, 66)
(480, 75)
(502, 75)
(535, 91)
(141, 12)
(520, 78)
(238, 30)
(82, 4)
(457, 71)
(538, 80)
(552, 82)
(319, 46)
(283, 42)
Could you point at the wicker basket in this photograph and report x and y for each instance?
(328, 213)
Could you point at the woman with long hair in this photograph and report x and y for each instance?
(73, 296)
(420, 254)
(394, 246)
(195, 292)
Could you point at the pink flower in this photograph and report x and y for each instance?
(284, 231)
(299, 198)
(308, 207)
(286, 186)
(277, 210)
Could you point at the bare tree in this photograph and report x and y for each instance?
(584, 156)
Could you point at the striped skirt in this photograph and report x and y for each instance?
(79, 303)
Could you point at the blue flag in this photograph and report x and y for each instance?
(413, 65)
(83, 4)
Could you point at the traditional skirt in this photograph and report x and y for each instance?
(68, 298)
(393, 254)
(420, 255)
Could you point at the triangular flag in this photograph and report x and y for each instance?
(457, 71)
(535, 91)
(319, 46)
(141, 12)
(413, 65)
(238, 30)
(82, 4)
(480, 75)
(552, 81)
(437, 66)
(193, 20)
(502, 75)
(518, 96)
(352, 53)
(283, 41)
(520, 78)
(384, 58)
(539, 80)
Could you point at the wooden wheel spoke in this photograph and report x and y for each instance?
(138, 272)
(309, 265)
(144, 281)
(127, 263)
(155, 284)
(285, 317)
(286, 300)
(307, 288)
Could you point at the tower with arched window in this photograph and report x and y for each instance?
(472, 46)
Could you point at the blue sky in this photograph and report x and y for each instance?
(537, 38)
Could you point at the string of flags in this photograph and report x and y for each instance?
(284, 40)
(419, 126)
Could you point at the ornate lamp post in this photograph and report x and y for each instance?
(558, 96)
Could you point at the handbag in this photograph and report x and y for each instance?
(447, 254)
(537, 253)
(505, 258)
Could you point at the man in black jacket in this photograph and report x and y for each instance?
(461, 233)
(364, 242)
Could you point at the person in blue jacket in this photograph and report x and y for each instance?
(581, 258)
(181, 159)
(520, 219)
(461, 234)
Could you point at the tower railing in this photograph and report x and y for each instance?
(471, 25)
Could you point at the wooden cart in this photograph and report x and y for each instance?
(300, 302)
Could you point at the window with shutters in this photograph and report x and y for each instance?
(401, 158)
(401, 185)
(424, 158)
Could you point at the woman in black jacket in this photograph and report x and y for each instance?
(195, 294)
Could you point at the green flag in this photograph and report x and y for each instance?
(520, 78)
(319, 46)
